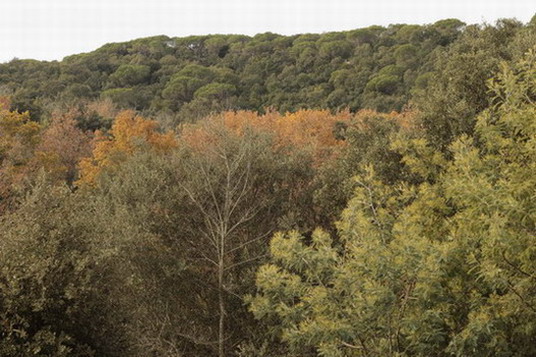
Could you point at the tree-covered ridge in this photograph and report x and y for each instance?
(257, 233)
(375, 67)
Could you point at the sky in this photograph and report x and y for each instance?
(52, 29)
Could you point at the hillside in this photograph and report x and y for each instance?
(375, 67)
(358, 194)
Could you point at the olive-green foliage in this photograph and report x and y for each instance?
(157, 215)
(367, 143)
(492, 186)
(439, 266)
(162, 74)
(342, 301)
(381, 68)
(129, 75)
(456, 89)
(141, 215)
(428, 247)
(53, 285)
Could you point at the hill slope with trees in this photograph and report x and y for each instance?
(362, 193)
(371, 68)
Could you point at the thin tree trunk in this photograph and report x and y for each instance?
(221, 329)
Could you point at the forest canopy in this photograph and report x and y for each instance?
(361, 193)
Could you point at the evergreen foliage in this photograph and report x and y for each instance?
(360, 193)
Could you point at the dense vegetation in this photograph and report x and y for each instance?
(361, 193)
(185, 78)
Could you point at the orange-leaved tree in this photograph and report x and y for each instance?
(321, 132)
(314, 130)
(129, 134)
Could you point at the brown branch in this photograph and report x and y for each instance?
(503, 254)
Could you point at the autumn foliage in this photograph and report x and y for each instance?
(129, 133)
(18, 138)
(320, 132)
(349, 230)
(62, 146)
(314, 130)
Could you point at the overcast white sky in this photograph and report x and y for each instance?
(52, 29)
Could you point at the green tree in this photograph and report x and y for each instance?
(440, 264)
(458, 90)
(128, 75)
(492, 184)
(53, 298)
